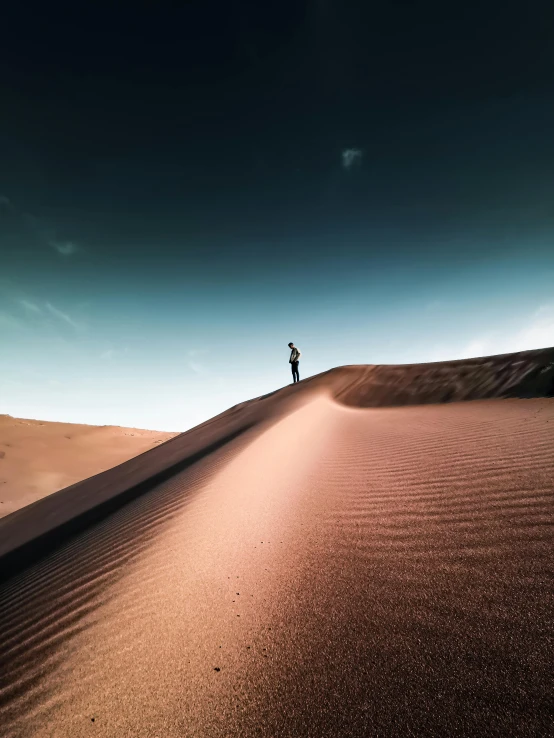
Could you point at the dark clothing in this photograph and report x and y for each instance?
(295, 374)
(293, 361)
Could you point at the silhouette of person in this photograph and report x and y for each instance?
(293, 361)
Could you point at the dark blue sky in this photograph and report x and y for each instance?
(183, 190)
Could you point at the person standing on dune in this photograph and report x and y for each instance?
(293, 361)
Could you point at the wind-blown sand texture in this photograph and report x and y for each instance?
(39, 457)
(302, 565)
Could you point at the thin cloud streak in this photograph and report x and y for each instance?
(536, 334)
(47, 235)
(62, 316)
(30, 306)
(540, 332)
(196, 367)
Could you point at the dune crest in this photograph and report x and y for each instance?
(524, 374)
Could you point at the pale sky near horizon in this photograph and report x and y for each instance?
(83, 362)
(374, 183)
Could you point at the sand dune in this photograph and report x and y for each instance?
(333, 559)
(38, 457)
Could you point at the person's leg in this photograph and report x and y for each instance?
(292, 370)
(297, 372)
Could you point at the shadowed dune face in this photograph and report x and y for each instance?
(526, 374)
(300, 566)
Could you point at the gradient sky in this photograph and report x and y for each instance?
(184, 191)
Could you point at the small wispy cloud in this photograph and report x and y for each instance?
(351, 157)
(44, 234)
(60, 315)
(65, 248)
(111, 353)
(537, 333)
(478, 347)
(30, 306)
(194, 365)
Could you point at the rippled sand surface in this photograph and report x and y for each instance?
(325, 570)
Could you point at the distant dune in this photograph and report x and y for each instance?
(366, 553)
(38, 457)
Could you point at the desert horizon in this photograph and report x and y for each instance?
(39, 462)
(370, 547)
(39, 457)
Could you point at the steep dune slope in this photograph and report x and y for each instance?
(299, 566)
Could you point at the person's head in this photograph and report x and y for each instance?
(291, 345)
